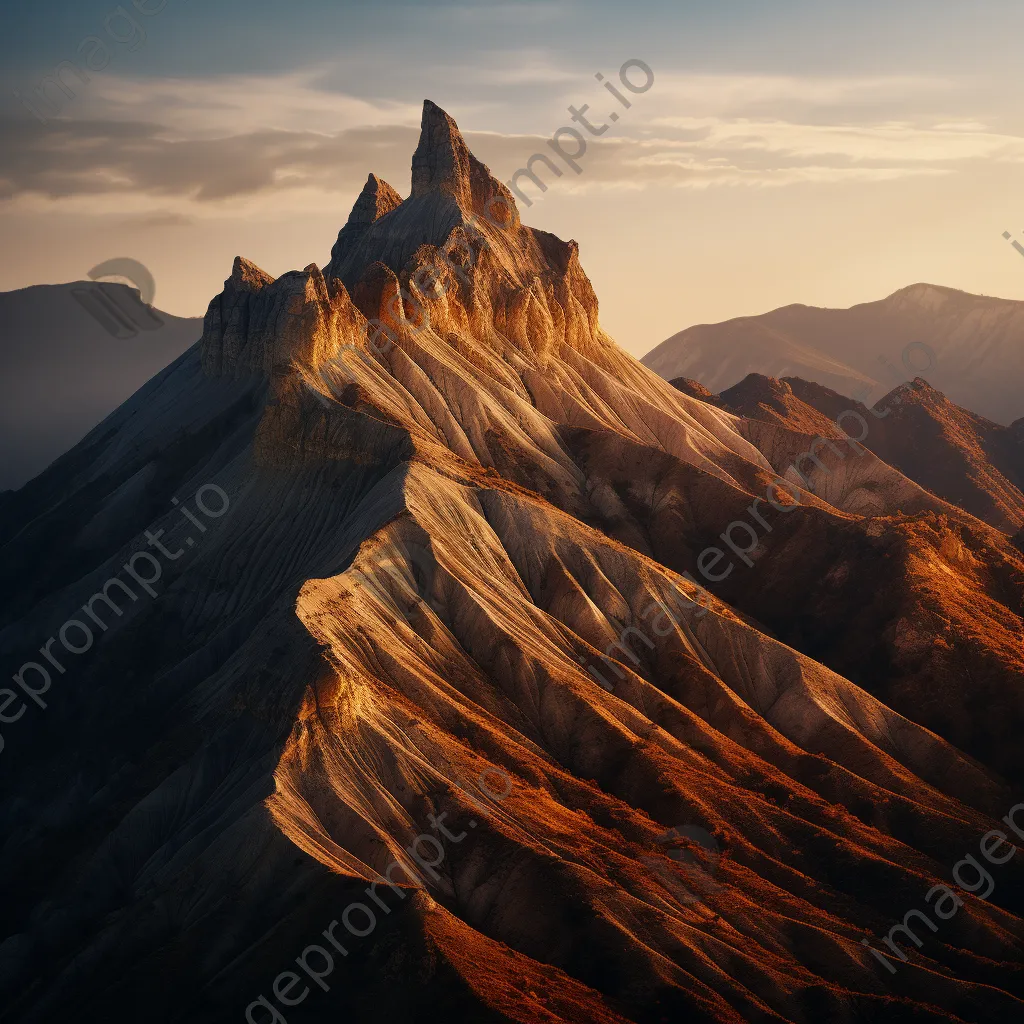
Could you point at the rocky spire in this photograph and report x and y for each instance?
(376, 199)
(442, 160)
(450, 189)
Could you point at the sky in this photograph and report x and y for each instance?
(789, 151)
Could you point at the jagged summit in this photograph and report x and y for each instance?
(450, 190)
(443, 163)
(384, 197)
(442, 158)
(450, 265)
(245, 274)
(376, 200)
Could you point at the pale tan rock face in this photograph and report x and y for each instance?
(442, 159)
(460, 518)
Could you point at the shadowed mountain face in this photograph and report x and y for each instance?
(415, 712)
(70, 354)
(970, 347)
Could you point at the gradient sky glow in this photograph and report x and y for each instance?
(791, 151)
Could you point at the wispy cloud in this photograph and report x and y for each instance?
(902, 143)
(736, 94)
(239, 104)
(174, 147)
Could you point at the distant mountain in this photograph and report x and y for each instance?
(963, 458)
(978, 343)
(70, 354)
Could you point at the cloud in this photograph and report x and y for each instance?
(173, 149)
(141, 158)
(736, 95)
(159, 219)
(895, 143)
(236, 104)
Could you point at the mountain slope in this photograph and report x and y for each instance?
(971, 348)
(956, 454)
(965, 459)
(428, 681)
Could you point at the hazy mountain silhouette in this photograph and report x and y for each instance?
(978, 344)
(62, 370)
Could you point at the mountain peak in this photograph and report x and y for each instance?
(444, 166)
(695, 389)
(930, 297)
(376, 199)
(451, 189)
(761, 397)
(442, 158)
(913, 392)
(245, 275)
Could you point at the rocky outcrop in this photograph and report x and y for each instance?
(377, 199)
(259, 325)
(697, 390)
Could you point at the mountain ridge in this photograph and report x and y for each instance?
(968, 461)
(972, 346)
